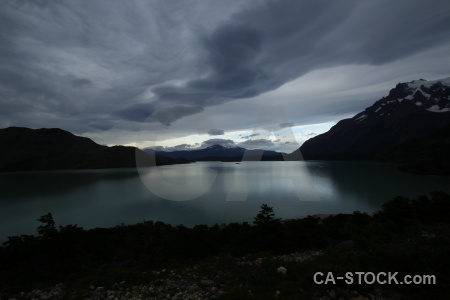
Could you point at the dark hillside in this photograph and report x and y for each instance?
(24, 149)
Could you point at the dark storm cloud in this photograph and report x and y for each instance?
(150, 113)
(216, 132)
(96, 59)
(169, 114)
(80, 82)
(262, 48)
(108, 65)
(99, 125)
(137, 112)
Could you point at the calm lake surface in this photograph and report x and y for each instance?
(201, 193)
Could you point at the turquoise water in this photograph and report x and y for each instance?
(201, 193)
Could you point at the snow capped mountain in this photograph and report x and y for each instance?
(411, 110)
(433, 96)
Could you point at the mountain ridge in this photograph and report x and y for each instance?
(220, 153)
(410, 110)
(25, 149)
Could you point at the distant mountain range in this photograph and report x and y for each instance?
(410, 126)
(407, 126)
(24, 149)
(221, 153)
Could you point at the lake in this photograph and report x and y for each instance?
(202, 193)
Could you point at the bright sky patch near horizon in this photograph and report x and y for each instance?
(102, 68)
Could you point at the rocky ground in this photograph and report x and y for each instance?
(209, 280)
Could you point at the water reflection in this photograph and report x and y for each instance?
(295, 189)
(178, 182)
(27, 185)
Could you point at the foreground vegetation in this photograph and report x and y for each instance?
(405, 236)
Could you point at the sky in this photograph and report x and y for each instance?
(188, 74)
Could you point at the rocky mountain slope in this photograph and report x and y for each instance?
(412, 110)
(425, 155)
(24, 149)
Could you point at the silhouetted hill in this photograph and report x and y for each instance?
(411, 110)
(426, 155)
(24, 149)
(221, 153)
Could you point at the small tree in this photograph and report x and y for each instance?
(47, 229)
(265, 216)
(267, 230)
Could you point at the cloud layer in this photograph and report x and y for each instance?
(92, 67)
